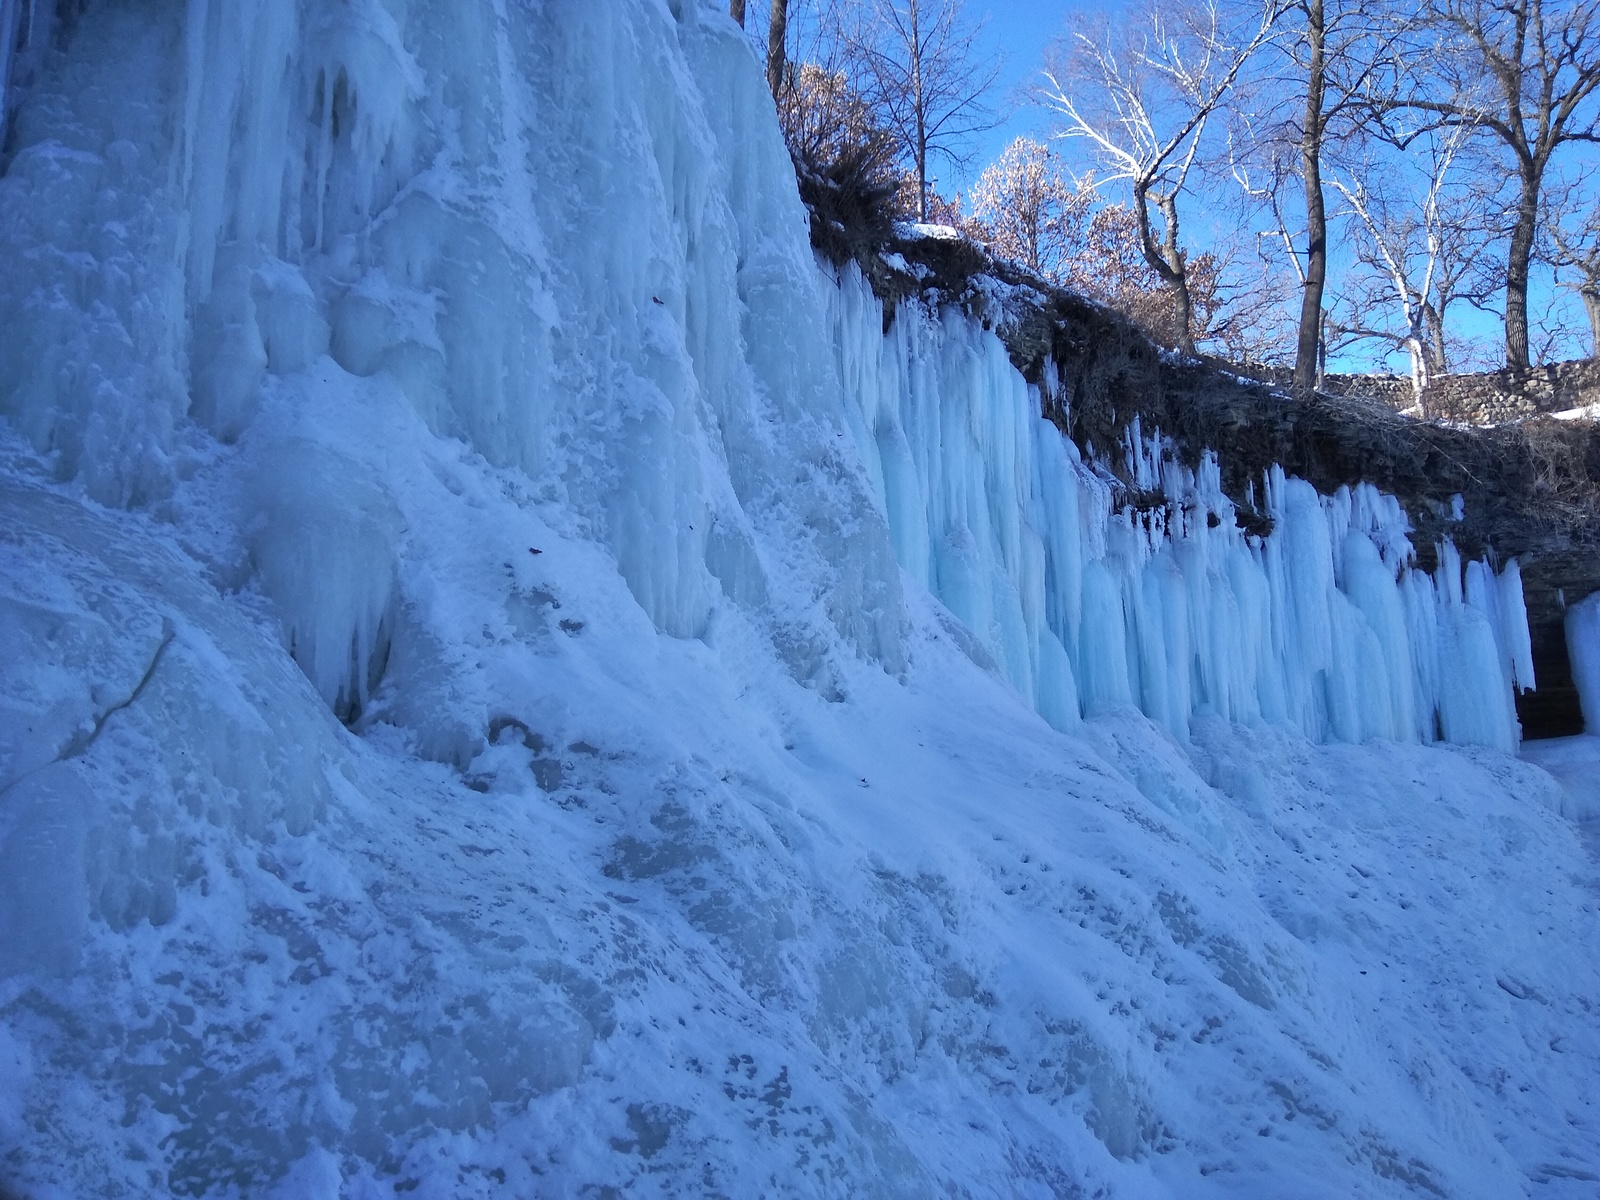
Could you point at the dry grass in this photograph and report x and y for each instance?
(1562, 461)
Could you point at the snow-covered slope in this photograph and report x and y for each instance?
(512, 683)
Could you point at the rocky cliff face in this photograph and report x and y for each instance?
(1529, 491)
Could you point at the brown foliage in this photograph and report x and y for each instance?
(846, 164)
(1026, 209)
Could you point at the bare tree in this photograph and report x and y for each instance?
(1305, 103)
(920, 64)
(830, 129)
(1027, 209)
(736, 11)
(1142, 102)
(1402, 243)
(1111, 266)
(1571, 245)
(1469, 269)
(1265, 176)
(1583, 260)
(1266, 166)
(1524, 71)
(1313, 130)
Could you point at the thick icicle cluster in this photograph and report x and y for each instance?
(22, 41)
(1087, 602)
(1583, 649)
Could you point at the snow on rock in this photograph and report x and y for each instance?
(511, 682)
(927, 229)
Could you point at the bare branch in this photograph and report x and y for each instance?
(1140, 97)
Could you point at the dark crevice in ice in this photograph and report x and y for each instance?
(82, 739)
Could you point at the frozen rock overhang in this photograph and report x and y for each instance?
(1529, 491)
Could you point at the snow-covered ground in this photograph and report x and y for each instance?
(512, 684)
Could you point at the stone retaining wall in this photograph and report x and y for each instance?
(1495, 397)
(1483, 398)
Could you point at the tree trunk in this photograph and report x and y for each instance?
(1167, 261)
(1322, 351)
(736, 11)
(1517, 258)
(1437, 362)
(922, 173)
(1182, 302)
(1590, 292)
(919, 111)
(1419, 367)
(777, 38)
(1308, 345)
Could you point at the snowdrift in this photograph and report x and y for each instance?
(514, 682)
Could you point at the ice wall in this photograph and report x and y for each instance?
(533, 228)
(526, 224)
(461, 368)
(1087, 601)
(1583, 649)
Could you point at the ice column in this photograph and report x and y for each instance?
(24, 33)
(1583, 648)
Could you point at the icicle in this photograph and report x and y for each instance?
(11, 16)
(1167, 606)
(24, 35)
(1514, 635)
(1583, 649)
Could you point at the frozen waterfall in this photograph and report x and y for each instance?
(304, 201)
(1086, 603)
(513, 680)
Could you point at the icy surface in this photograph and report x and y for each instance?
(511, 683)
(1583, 650)
(1088, 597)
(1575, 763)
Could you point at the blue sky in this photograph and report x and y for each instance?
(1019, 32)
